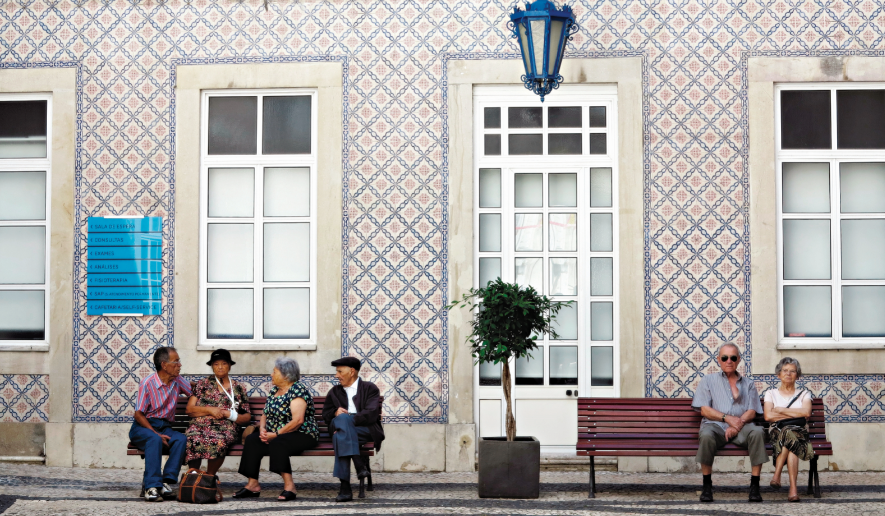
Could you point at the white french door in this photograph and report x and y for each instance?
(545, 205)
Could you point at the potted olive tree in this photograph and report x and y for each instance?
(507, 321)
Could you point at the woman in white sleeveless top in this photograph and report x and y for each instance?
(789, 442)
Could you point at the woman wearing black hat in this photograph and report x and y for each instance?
(218, 406)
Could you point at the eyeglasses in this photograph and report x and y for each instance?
(177, 362)
(725, 358)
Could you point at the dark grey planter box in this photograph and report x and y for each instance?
(509, 469)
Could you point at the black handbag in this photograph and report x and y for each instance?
(793, 421)
(197, 486)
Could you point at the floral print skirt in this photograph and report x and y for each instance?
(793, 438)
(209, 438)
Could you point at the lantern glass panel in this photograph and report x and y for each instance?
(555, 37)
(524, 42)
(538, 28)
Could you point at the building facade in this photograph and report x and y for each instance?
(328, 175)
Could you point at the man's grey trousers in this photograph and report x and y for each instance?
(712, 438)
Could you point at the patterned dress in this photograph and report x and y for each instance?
(207, 437)
(278, 414)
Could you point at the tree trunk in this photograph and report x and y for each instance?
(511, 422)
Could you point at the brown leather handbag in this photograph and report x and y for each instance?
(197, 486)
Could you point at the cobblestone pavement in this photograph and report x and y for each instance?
(38, 490)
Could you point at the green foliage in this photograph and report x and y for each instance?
(507, 320)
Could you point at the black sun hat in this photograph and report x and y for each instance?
(220, 354)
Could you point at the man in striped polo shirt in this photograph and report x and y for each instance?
(729, 402)
(152, 428)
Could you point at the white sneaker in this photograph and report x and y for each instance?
(168, 493)
(152, 495)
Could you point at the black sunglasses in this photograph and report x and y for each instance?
(725, 358)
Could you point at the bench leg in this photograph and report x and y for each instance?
(369, 487)
(816, 480)
(362, 488)
(592, 477)
(811, 467)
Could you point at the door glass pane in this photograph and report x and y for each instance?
(564, 116)
(806, 187)
(286, 125)
(601, 276)
(806, 249)
(563, 232)
(231, 192)
(563, 365)
(862, 309)
(600, 187)
(492, 145)
(807, 311)
(525, 144)
(863, 249)
(598, 143)
(597, 116)
(566, 322)
(530, 371)
(489, 374)
(863, 187)
(233, 125)
(859, 120)
(563, 276)
(230, 253)
(563, 190)
(492, 118)
(528, 190)
(489, 270)
(564, 143)
(22, 315)
(524, 117)
(805, 120)
(287, 192)
(26, 137)
(287, 252)
(22, 255)
(529, 232)
(22, 195)
(287, 313)
(601, 321)
(529, 272)
(602, 366)
(229, 313)
(490, 232)
(601, 232)
(490, 188)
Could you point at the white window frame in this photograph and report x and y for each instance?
(832, 157)
(569, 95)
(33, 165)
(258, 162)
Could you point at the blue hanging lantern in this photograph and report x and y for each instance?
(542, 30)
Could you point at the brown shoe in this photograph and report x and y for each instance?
(794, 499)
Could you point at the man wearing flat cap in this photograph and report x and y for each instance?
(352, 411)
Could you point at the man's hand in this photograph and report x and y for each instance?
(341, 410)
(730, 433)
(735, 422)
(165, 438)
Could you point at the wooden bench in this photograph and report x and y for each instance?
(667, 427)
(256, 407)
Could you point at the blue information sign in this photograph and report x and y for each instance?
(124, 266)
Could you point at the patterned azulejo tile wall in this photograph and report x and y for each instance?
(24, 398)
(395, 184)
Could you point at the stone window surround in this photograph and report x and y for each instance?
(326, 77)
(763, 73)
(627, 74)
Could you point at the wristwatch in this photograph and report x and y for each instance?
(723, 418)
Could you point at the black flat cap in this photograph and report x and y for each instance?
(220, 354)
(347, 361)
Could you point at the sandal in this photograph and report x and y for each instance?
(793, 499)
(775, 485)
(245, 493)
(286, 496)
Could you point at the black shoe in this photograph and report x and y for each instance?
(245, 493)
(345, 493)
(707, 493)
(754, 493)
(361, 466)
(286, 496)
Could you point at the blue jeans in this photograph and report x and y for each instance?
(152, 445)
(346, 442)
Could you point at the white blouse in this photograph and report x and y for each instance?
(777, 399)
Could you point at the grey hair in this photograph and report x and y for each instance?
(787, 360)
(289, 368)
(728, 345)
(161, 356)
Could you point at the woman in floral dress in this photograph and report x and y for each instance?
(218, 408)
